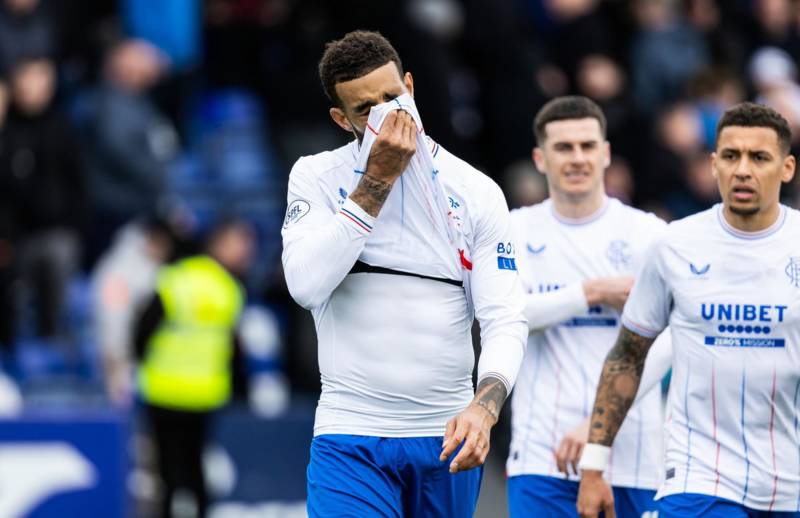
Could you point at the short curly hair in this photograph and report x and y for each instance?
(752, 115)
(355, 55)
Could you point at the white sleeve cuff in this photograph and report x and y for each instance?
(502, 359)
(356, 217)
(547, 309)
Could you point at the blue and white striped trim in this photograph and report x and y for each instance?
(355, 219)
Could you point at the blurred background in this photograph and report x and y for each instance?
(131, 129)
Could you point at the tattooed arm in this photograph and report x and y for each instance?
(371, 193)
(473, 426)
(491, 395)
(622, 372)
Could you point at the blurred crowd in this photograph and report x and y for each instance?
(129, 129)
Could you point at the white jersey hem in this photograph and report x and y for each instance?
(379, 432)
(628, 482)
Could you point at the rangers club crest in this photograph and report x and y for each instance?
(619, 254)
(793, 271)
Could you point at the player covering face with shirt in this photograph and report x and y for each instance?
(727, 281)
(393, 281)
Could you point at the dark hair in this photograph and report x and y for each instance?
(565, 108)
(752, 115)
(355, 55)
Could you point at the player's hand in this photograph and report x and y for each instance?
(393, 148)
(595, 496)
(472, 427)
(571, 447)
(609, 291)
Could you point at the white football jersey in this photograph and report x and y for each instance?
(732, 302)
(395, 351)
(557, 383)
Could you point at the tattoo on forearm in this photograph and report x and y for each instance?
(370, 194)
(491, 395)
(622, 372)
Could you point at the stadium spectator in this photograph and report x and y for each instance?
(129, 144)
(190, 357)
(665, 54)
(44, 191)
(122, 281)
(27, 28)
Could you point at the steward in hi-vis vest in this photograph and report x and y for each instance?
(190, 359)
(187, 363)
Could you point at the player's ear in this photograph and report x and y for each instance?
(409, 82)
(789, 165)
(538, 159)
(714, 165)
(338, 116)
(607, 153)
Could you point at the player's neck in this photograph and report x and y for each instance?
(578, 208)
(756, 222)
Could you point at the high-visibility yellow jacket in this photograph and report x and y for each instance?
(187, 364)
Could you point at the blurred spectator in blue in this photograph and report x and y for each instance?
(44, 191)
(129, 144)
(173, 27)
(123, 280)
(666, 53)
(27, 28)
(191, 360)
(712, 91)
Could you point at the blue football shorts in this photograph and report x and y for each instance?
(707, 506)
(539, 495)
(360, 476)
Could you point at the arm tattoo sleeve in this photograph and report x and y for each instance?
(491, 395)
(622, 372)
(370, 194)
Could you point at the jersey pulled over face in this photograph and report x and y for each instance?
(732, 301)
(557, 383)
